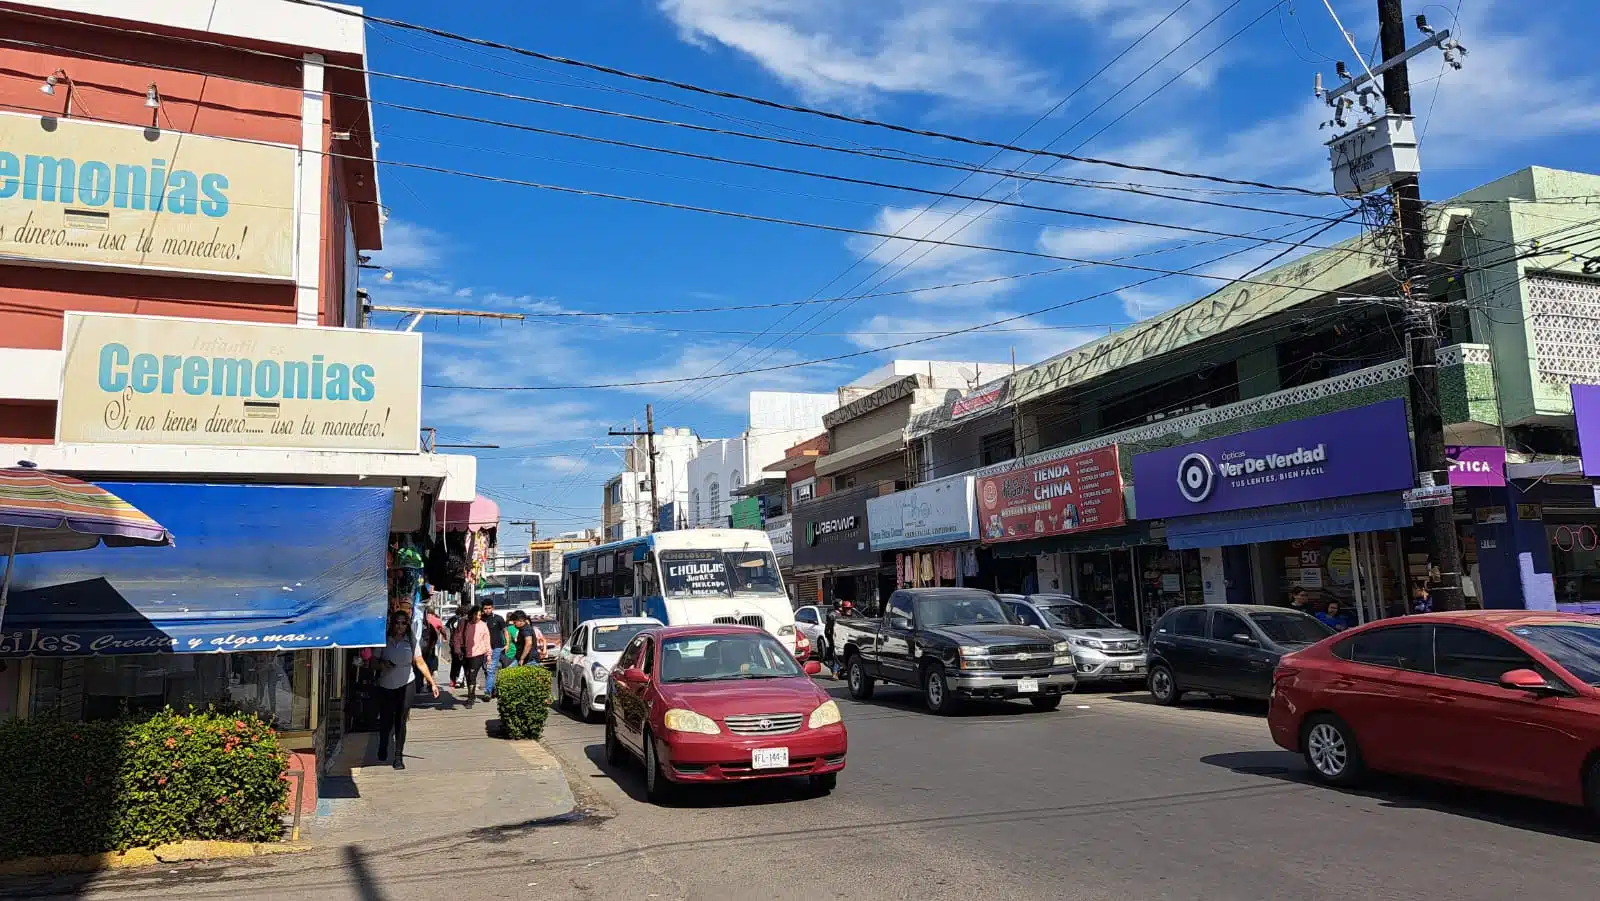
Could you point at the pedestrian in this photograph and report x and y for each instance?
(452, 626)
(525, 650)
(1421, 599)
(844, 608)
(1333, 619)
(1298, 599)
(431, 627)
(496, 625)
(397, 667)
(471, 644)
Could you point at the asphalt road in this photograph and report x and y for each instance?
(1108, 798)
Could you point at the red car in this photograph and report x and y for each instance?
(1501, 700)
(720, 704)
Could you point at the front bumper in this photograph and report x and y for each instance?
(1094, 666)
(986, 684)
(727, 757)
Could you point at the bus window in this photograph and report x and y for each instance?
(624, 573)
(649, 580)
(586, 580)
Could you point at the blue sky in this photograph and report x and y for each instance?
(985, 68)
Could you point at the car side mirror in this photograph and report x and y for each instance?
(634, 676)
(812, 667)
(1527, 680)
(1242, 638)
(899, 622)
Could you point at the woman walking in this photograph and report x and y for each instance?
(470, 644)
(397, 668)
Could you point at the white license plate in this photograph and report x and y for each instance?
(1126, 667)
(1027, 686)
(769, 758)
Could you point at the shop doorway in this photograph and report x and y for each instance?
(1104, 581)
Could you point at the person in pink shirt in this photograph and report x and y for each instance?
(470, 644)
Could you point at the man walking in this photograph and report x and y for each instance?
(526, 651)
(497, 645)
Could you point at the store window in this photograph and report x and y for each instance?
(274, 686)
(1168, 579)
(1575, 562)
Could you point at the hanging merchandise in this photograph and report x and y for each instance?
(972, 562)
(947, 566)
(926, 569)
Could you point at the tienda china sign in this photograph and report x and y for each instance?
(1072, 494)
(1361, 451)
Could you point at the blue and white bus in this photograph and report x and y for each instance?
(690, 576)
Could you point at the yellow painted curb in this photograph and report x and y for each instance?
(144, 857)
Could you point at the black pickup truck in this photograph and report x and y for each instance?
(954, 644)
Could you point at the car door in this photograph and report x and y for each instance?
(1379, 687)
(809, 621)
(579, 656)
(627, 699)
(896, 640)
(1500, 737)
(1234, 661)
(566, 662)
(1179, 639)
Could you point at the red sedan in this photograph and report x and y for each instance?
(720, 704)
(1502, 700)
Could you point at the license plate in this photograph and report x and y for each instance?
(1126, 667)
(769, 758)
(1027, 686)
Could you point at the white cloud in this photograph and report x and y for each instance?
(407, 245)
(1030, 346)
(1103, 243)
(1137, 304)
(730, 394)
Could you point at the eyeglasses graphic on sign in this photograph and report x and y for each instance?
(1196, 478)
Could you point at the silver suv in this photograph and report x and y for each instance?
(1102, 650)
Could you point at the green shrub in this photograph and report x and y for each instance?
(524, 700)
(75, 788)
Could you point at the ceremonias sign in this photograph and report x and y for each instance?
(198, 383)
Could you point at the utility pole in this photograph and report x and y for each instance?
(649, 435)
(1422, 327)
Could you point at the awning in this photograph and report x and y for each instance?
(451, 516)
(255, 568)
(862, 454)
(1312, 519)
(1131, 535)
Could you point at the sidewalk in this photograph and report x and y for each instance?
(459, 778)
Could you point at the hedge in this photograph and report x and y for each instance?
(79, 788)
(524, 700)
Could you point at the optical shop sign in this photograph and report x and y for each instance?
(1360, 451)
(198, 383)
(119, 196)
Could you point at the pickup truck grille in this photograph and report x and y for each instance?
(1021, 657)
(763, 723)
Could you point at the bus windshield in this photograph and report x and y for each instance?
(716, 573)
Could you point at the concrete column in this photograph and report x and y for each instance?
(308, 232)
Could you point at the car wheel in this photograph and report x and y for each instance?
(936, 691)
(861, 684)
(1045, 702)
(585, 705)
(657, 787)
(1164, 685)
(615, 755)
(825, 783)
(1331, 751)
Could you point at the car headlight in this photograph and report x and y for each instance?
(1063, 647)
(785, 631)
(974, 658)
(600, 672)
(689, 721)
(974, 652)
(1095, 643)
(825, 715)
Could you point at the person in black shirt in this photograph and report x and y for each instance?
(526, 653)
(497, 645)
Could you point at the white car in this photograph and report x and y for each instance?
(584, 664)
(812, 622)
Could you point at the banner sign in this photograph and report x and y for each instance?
(254, 568)
(105, 195)
(934, 513)
(981, 402)
(1072, 494)
(1476, 467)
(1586, 410)
(1360, 451)
(198, 383)
(780, 531)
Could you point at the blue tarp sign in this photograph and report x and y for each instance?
(255, 568)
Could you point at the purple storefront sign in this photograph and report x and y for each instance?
(1359, 451)
(1586, 409)
(1476, 467)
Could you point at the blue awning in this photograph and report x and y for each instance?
(255, 568)
(1311, 519)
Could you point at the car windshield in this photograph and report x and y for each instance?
(964, 609)
(1073, 615)
(616, 637)
(1576, 646)
(717, 658)
(548, 628)
(1288, 627)
(754, 571)
(713, 573)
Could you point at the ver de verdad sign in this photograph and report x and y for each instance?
(1360, 451)
(199, 383)
(1071, 494)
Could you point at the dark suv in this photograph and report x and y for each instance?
(1225, 649)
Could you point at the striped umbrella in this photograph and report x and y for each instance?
(47, 511)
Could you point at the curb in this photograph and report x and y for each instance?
(177, 852)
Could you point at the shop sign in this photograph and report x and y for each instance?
(104, 195)
(780, 531)
(1429, 496)
(1072, 494)
(1476, 467)
(1586, 410)
(935, 513)
(980, 402)
(198, 383)
(832, 531)
(746, 513)
(1360, 451)
(861, 406)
